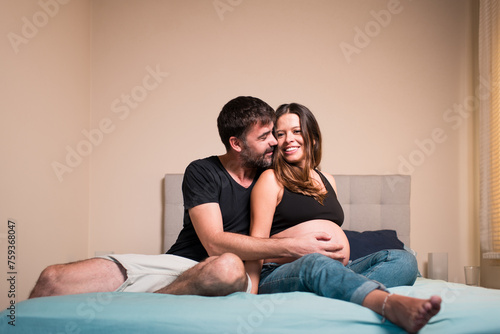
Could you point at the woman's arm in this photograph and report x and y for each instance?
(266, 194)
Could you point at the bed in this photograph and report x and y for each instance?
(378, 206)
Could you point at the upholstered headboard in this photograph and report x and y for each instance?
(370, 202)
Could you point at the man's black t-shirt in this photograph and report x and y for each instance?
(207, 181)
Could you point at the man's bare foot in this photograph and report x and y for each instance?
(411, 313)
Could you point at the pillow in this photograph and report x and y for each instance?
(368, 242)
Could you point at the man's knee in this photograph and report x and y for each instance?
(231, 268)
(226, 272)
(47, 282)
(230, 259)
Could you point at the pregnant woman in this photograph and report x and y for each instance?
(295, 197)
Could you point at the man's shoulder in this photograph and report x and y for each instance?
(206, 170)
(211, 162)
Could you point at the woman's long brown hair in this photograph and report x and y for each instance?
(295, 178)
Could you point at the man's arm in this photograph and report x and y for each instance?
(207, 221)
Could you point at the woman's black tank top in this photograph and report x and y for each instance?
(296, 208)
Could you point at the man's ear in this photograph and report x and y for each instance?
(236, 144)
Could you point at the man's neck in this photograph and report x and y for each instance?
(234, 166)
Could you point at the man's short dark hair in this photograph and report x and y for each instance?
(239, 115)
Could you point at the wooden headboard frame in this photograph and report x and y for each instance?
(370, 202)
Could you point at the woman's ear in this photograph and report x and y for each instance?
(236, 144)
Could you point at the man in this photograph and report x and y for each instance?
(216, 220)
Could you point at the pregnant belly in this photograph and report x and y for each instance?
(317, 225)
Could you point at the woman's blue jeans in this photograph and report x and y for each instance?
(329, 278)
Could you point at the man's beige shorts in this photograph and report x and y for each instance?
(149, 273)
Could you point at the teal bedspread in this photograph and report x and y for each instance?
(465, 310)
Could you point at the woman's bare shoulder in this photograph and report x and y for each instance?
(268, 180)
(268, 175)
(330, 179)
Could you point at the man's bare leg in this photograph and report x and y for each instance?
(92, 275)
(407, 312)
(215, 276)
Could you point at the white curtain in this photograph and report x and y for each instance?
(489, 128)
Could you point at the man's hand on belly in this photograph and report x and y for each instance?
(316, 242)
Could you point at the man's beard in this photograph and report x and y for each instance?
(254, 160)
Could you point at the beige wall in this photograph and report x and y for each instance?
(44, 105)
(159, 73)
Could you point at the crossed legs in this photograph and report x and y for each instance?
(216, 276)
(329, 278)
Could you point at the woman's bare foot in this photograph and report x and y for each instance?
(411, 313)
